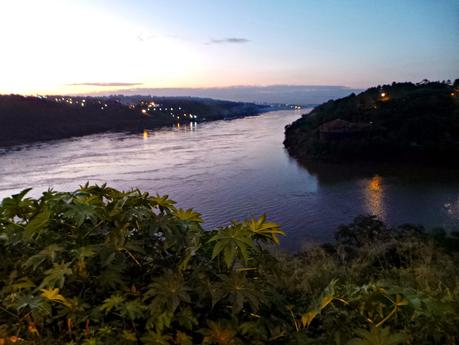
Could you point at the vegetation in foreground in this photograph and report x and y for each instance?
(400, 122)
(100, 266)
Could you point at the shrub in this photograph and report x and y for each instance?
(101, 266)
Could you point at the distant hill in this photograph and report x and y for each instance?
(29, 119)
(281, 94)
(399, 122)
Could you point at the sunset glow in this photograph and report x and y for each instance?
(85, 46)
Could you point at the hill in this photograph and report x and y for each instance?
(398, 122)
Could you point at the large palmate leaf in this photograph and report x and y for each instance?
(163, 203)
(239, 291)
(114, 302)
(54, 296)
(188, 215)
(80, 212)
(55, 276)
(233, 242)
(220, 333)
(264, 230)
(167, 291)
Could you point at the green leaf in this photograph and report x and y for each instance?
(132, 309)
(188, 215)
(80, 212)
(50, 252)
(168, 291)
(183, 339)
(54, 296)
(55, 276)
(114, 302)
(264, 230)
(37, 224)
(378, 336)
(232, 241)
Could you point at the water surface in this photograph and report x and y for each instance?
(237, 169)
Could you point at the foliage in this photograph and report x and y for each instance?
(100, 266)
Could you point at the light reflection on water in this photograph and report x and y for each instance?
(236, 169)
(374, 195)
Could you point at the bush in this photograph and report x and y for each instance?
(101, 266)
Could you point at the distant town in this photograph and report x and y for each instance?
(26, 119)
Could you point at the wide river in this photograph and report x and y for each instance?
(237, 169)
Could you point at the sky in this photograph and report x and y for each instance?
(83, 46)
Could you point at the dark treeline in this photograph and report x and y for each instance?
(399, 122)
(29, 119)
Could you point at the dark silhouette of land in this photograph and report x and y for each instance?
(400, 122)
(30, 119)
(304, 95)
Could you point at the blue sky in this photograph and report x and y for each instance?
(204, 43)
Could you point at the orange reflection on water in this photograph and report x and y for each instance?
(374, 196)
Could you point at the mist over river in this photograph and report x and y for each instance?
(236, 169)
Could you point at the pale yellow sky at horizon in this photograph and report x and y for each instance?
(57, 46)
(54, 45)
(52, 50)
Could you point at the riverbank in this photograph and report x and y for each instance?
(26, 120)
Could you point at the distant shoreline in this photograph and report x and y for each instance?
(29, 120)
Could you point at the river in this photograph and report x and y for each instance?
(236, 169)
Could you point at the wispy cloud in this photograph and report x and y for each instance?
(105, 84)
(230, 40)
(143, 38)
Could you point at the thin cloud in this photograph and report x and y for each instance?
(230, 40)
(143, 38)
(106, 84)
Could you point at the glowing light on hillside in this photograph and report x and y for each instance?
(144, 111)
(383, 94)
